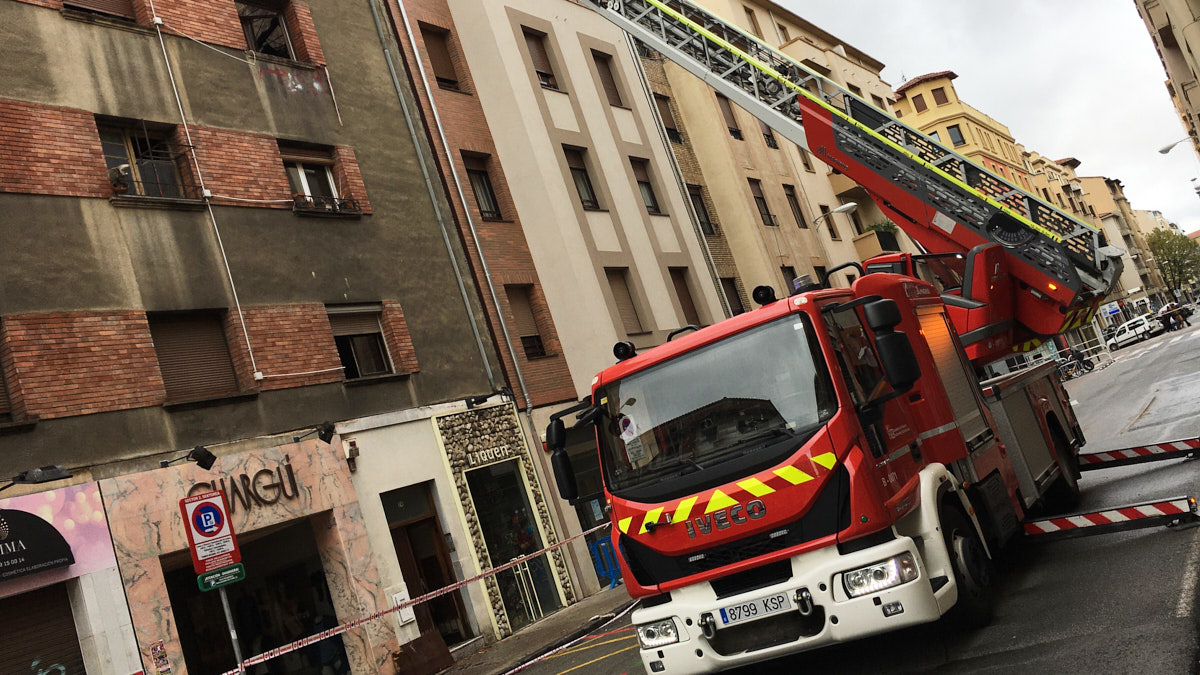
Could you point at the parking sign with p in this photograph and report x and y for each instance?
(210, 534)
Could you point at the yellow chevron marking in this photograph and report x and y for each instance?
(755, 487)
(719, 501)
(651, 517)
(683, 510)
(793, 475)
(624, 525)
(826, 460)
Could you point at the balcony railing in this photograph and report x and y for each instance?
(325, 206)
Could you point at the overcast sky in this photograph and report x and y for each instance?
(1070, 78)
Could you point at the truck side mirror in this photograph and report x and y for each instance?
(882, 315)
(564, 474)
(899, 362)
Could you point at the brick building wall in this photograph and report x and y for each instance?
(503, 240)
(239, 165)
(50, 150)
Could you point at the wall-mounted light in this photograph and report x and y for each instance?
(199, 454)
(43, 474)
(324, 432)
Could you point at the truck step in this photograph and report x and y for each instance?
(1188, 447)
(1173, 511)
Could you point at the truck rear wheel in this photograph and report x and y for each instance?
(973, 570)
(1064, 494)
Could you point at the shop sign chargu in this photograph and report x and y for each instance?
(261, 488)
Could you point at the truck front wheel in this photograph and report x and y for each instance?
(973, 570)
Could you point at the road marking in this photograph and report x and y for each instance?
(597, 644)
(1175, 340)
(564, 672)
(1074, 402)
(1187, 596)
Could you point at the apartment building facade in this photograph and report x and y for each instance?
(1141, 281)
(1173, 28)
(231, 232)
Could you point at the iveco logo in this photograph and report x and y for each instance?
(734, 515)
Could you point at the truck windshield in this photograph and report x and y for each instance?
(736, 406)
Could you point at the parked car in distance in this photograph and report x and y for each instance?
(1135, 330)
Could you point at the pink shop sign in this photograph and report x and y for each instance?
(76, 513)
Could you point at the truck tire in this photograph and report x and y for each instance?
(973, 570)
(1064, 494)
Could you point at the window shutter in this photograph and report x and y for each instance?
(520, 302)
(679, 278)
(193, 356)
(308, 155)
(664, 111)
(574, 158)
(639, 170)
(38, 626)
(607, 79)
(438, 47)
(122, 8)
(727, 112)
(618, 282)
(354, 324)
(5, 406)
(537, 52)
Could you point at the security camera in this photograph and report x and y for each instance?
(118, 174)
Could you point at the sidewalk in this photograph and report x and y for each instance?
(557, 629)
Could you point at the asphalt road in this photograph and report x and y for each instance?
(1116, 603)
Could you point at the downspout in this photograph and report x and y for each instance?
(462, 198)
(433, 193)
(678, 173)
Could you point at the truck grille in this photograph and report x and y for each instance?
(829, 514)
(776, 630)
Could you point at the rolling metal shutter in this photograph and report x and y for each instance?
(537, 52)
(522, 310)
(679, 278)
(959, 386)
(355, 324)
(619, 284)
(607, 79)
(123, 8)
(193, 356)
(38, 627)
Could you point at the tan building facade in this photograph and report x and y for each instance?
(1142, 287)
(1176, 33)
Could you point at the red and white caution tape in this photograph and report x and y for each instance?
(1159, 509)
(332, 632)
(1141, 453)
(572, 643)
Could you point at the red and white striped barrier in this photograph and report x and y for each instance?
(1143, 453)
(331, 632)
(1134, 516)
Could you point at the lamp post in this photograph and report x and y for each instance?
(44, 474)
(844, 208)
(1171, 146)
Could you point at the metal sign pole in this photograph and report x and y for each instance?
(237, 652)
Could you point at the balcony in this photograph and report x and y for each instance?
(843, 185)
(326, 207)
(873, 242)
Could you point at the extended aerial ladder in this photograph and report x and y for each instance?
(1037, 271)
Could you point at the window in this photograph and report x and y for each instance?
(696, 194)
(789, 275)
(790, 192)
(641, 173)
(729, 286)
(854, 90)
(877, 101)
(806, 161)
(857, 221)
(919, 103)
(783, 32)
(265, 29)
(142, 161)
(956, 136)
(618, 283)
(899, 114)
(939, 96)
(520, 302)
(827, 218)
(481, 185)
(935, 136)
(359, 337)
(310, 174)
(193, 355)
(437, 45)
(121, 8)
(536, 43)
(821, 274)
(684, 295)
(730, 119)
(607, 79)
(579, 174)
(752, 23)
(761, 202)
(768, 135)
(668, 118)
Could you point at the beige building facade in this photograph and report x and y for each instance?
(1175, 30)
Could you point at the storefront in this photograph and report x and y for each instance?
(304, 547)
(62, 610)
(453, 494)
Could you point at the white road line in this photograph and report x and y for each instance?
(1176, 340)
(1074, 402)
(1187, 595)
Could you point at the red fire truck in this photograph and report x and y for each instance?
(829, 466)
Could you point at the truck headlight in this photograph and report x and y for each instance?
(881, 575)
(658, 634)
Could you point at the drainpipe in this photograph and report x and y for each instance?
(437, 123)
(433, 193)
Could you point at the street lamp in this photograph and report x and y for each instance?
(44, 474)
(844, 208)
(1171, 146)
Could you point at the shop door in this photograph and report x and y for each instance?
(423, 573)
(37, 634)
(510, 531)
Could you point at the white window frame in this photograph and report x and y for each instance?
(299, 166)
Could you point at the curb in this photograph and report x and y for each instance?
(533, 653)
